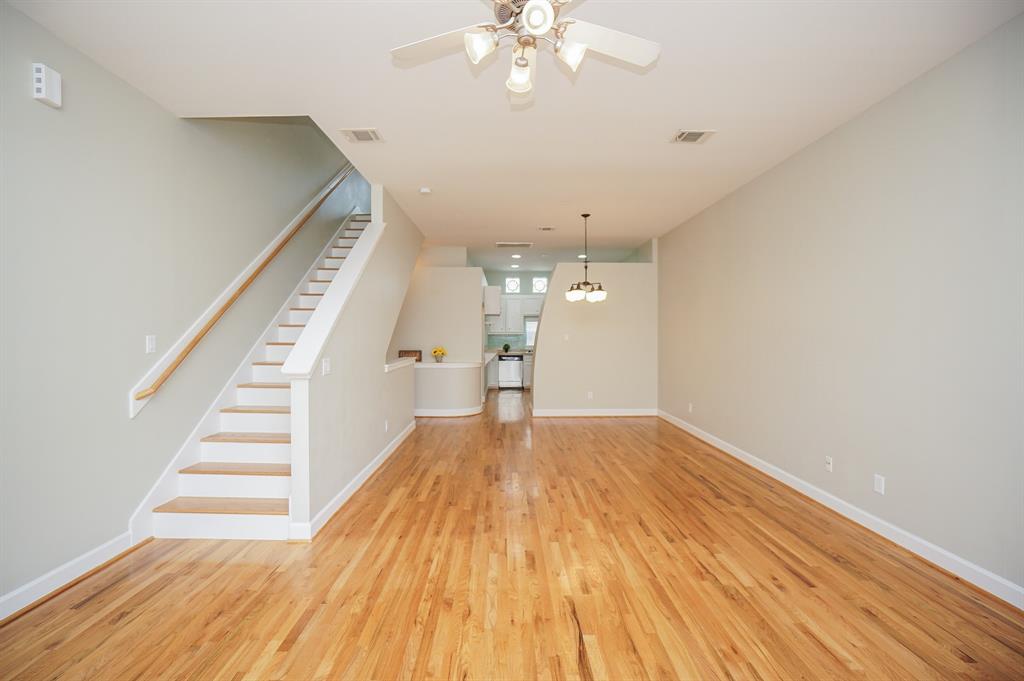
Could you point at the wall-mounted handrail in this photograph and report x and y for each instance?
(166, 373)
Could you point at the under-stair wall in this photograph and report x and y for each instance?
(347, 420)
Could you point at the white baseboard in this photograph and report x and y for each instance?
(595, 412)
(463, 411)
(975, 574)
(29, 593)
(321, 518)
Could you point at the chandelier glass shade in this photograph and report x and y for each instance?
(592, 292)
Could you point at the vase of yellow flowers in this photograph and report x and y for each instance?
(439, 353)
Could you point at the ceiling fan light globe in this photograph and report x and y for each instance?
(479, 45)
(519, 79)
(538, 17)
(572, 53)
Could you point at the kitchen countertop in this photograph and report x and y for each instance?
(499, 351)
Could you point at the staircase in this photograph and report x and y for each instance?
(239, 489)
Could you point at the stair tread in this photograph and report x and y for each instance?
(310, 294)
(250, 438)
(329, 269)
(237, 468)
(302, 309)
(319, 281)
(227, 505)
(293, 326)
(268, 364)
(280, 343)
(264, 385)
(255, 409)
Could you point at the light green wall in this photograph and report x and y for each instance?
(121, 220)
(495, 278)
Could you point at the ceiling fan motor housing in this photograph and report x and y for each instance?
(535, 17)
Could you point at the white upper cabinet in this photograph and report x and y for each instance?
(513, 314)
(531, 305)
(492, 300)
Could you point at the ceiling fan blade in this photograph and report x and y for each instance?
(615, 44)
(438, 45)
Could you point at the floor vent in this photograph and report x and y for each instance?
(362, 135)
(692, 136)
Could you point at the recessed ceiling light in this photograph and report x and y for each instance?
(516, 256)
(582, 256)
(515, 267)
(424, 190)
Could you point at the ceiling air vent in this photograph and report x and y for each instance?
(361, 135)
(692, 136)
(513, 244)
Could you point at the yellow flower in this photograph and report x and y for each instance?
(439, 351)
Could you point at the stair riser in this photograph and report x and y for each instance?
(265, 374)
(316, 286)
(309, 301)
(276, 353)
(345, 242)
(251, 486)
(332, 261)
(238, 452)
(288, 334)
(325, 274)
(299, 316)
(219, 526)
(232, 422)
(352, 233)
(263, 396)
(340, 253)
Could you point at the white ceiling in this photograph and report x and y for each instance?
(540, 259)
(769, 76)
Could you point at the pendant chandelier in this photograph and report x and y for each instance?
(585, 290)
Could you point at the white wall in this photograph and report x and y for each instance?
(609, 348)
(444, 306)
(863, 301)
(348, 407)
(120, 220)
(442, 256)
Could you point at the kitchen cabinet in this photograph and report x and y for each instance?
(528, 371)
(492, 300)
(530, 306)
(512, 311)
(492, 373)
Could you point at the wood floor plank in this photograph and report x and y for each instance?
(501, 547)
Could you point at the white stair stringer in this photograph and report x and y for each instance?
(232, 480)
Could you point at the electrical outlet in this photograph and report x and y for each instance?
(590, 394)
(150, 344)
(828, 463)
(879, 483)
(325, 366)
(691, 407)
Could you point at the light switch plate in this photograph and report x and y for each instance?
(879, 483)
(150, 344)
(325, 366)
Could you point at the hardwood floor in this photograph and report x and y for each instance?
(500, 547)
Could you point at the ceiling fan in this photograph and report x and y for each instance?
(526, 22)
